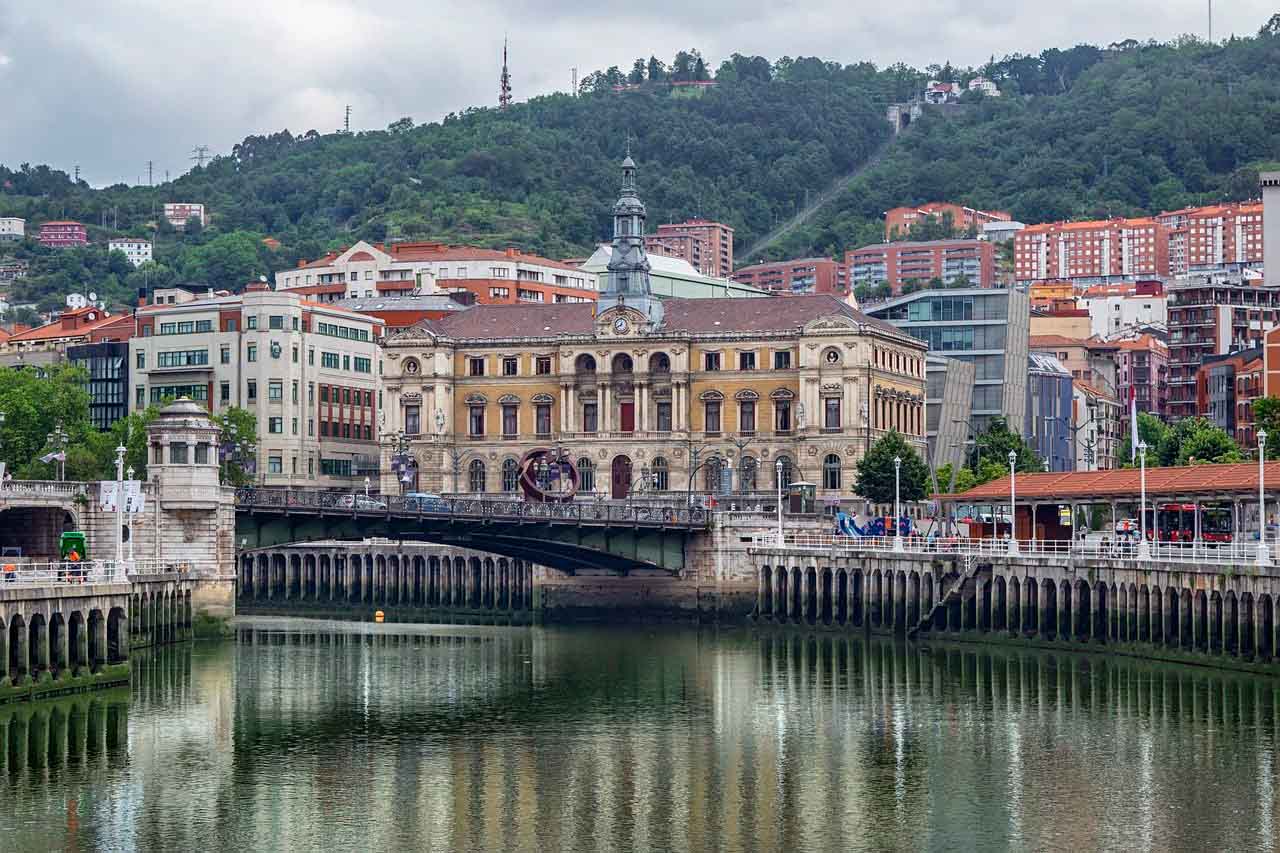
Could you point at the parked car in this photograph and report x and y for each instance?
(425, 502)
(361, 502)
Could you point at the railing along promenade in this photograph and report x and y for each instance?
(41, 489)
(17, 572)
(604, 513)
(1234, 554)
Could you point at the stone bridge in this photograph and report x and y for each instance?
(569, 537)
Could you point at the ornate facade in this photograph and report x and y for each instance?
(646, 396)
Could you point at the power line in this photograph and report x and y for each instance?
(200, 153)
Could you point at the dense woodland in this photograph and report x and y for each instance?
(1129, 128)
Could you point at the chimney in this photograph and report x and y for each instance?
(142, 296)
(512, 252)
(302, 262)
(1270, 227)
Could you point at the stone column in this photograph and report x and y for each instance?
(642, 408)
(604, 414)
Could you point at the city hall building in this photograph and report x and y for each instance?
(638, 393)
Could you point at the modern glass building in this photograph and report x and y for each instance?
(108, 366)
(988, 328)
(1048, 420)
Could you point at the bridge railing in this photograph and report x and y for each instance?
(14, 574)
(1197, 553)
(40, 489)
(513, 509)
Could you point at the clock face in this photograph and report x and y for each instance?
(620, 325)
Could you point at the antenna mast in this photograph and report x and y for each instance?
(200, 153)
(573, 76)
(504, 83)
(346, 120)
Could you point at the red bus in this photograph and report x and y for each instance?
(1177, 522)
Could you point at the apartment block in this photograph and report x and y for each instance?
(895, 264)
(715, 254)
(1096, 252)
(308, 371)
(1211, 316)
(12, 228)
(1218, 238)
(137, 250)
(178, 213)
(1142, 374)
(61, 234)
(803, 275)
(1116, 309)
(1226, 386)
(899, 221)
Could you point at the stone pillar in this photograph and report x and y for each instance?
(604, 414)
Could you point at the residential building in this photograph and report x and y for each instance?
(896, 264)
(948, 401)
(640, 390)
(1094, 252)
(1270, 182)
(715, 256)
(1059, 317)
(803, 275)
(672, 278)
(1218, 238)
(368, 270)
(1142, 375)
(107, 364)
(1226, 386)
(985, 86)
(48, 344)
(179, 292)
(1087, 359)
(1048, 412)
(61, 234)
(12, 269)
(937, 92)
(1097, 420)
(180, 212)
(137, 250)
(309, 372)
(986, 327)
(900, 221)
(1045, 293)
(1212, 315)
(1117, 309)
(12, 229)
(685, 247)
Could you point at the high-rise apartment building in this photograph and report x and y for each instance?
(1094, 252)
(1219, 238)
(715, 239)
(309, 373)
(899, 221)
(895, 264)
(802, 275)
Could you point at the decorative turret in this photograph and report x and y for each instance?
(628, 281)
(184, 457)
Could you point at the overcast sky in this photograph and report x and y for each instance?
(110, 84)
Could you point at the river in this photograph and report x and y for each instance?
(313, 735)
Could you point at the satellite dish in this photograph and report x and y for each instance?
(93, 297)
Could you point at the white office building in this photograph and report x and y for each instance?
(137, 250)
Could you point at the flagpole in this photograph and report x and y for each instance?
(1133, 423)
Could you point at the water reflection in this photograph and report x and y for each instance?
(313, 735)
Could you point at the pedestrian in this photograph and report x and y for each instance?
(10, 572)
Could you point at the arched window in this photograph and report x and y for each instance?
(510, 475)
(782, 476)
(586, 475)
(584, 364)
(831, 471)
(712, 474)
(475, 475)
(747, 474)
(621, 363)
(661, 474)
(659, 362)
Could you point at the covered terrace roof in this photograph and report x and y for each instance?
(1233, 480)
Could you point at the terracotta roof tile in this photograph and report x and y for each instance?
(1236, 478)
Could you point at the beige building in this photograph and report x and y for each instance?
(309, 372)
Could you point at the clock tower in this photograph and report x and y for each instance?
(628, 279)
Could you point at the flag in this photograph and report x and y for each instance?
(1133, 423)
(56, 456)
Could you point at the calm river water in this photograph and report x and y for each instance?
(309, 735)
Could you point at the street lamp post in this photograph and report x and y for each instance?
(1264, 558)
(1013, 503)
(120, 451)
(128, 475)
(366, 488)
(777, 469)
(897, 503)
(58, 440)
(1144, 551)
(1, 443)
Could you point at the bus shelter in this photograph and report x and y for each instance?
(1198, 503)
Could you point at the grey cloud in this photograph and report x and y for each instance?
(108, 85)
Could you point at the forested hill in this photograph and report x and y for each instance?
(1146, 128)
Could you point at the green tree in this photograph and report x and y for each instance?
(237, 426)
(637, 72)
(34, 405)
(993, 446)
(1266, 416)
(1198, 441)
(1151, 430)
(875, 480)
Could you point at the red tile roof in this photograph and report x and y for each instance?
(1208, 480)
(58, 328)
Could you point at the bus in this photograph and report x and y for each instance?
(1177, 522)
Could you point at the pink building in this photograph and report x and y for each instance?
(63, 233)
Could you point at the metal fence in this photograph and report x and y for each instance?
(513, 509)
(15, 574)
(1191, 554)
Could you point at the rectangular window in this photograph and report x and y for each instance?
(475, 367)
(782, 360)
(275, 390)
(664, 416)
(542, 419)
(311, 356)
(510, 367)
(295, 426)
(140, 396)
(475, 421)
(202, 453)
(275, 321)
(324, 393)
(232, 325)
(747, 417)
(746, 361)
(311, 392)
(363, 365)
(296, 324)
(225, 355)
(368, 399)
(183, 358)
(142, 359)
(335, 467)
(782, 415)
(831, 414)
(589, 417)
(711, 419)
(275, 464)
(177, 454)
(311, 426)
(711, 361)
(324, 429)
(275, 425)
(346, 362)
(295, 355)
(168, 328)
(510, 421)
(329, 360)
(346, 396)
(411, 420)
(224, 392)
(252, 391)
(543, 365)
(295, 391)
(251, 322)
(252, 352)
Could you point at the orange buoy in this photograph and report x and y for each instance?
(378, 616)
